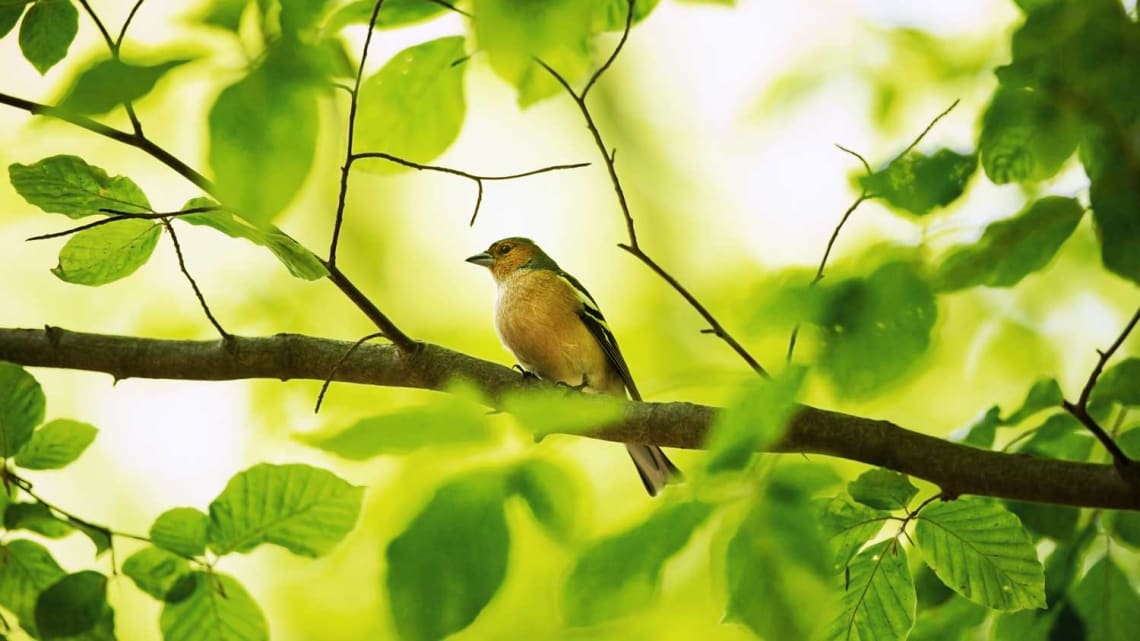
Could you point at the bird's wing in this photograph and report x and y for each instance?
(592, 317)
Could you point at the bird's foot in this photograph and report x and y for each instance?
(526, 374)
(576, 388)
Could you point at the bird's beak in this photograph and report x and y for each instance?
(483, 259)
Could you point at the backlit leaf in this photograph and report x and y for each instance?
(46, 33)
(161, 574)
(26, 570)
(1025, 136)
(1119, 383)
(107, 253)
(882, 489)
(917, 183)
(217, 609)
(878, 603)
(849, 525)
(72, 605)
(756, 418)
(300, 262)
(553, 494)
(1107, 603)
(181, 530)
(22, 406)
(55, 445)
(68, 185)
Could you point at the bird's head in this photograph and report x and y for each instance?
(505, 257)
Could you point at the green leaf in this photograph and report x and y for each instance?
(850, 526)
(1125, 527)
(558, 411)
(100, 537)
(1107, 603)
(982, 431)
(106, 84)
(757, 417)
(298, 15)
(1115, 199)
(48, 28)
(393, 14)
(1119, 384)
(447, 422)
(553, 494)
(26, 570)
(1061, 437)
(300, 262)
(421, 84)
(1044, 394)
(1064, 565)
(161, 574)
(72, 605)
(22, 406)
(1054, 521)
(882, 489)
(10, 15)
(224, 14)
(514, 33)
(55, 445)
(301, 508)
(957, 620)
(67, 185)
(622, 573)
(181, 530)
(878, 603)
(35, 517)
(917, 183)
(1025, 136)
(445, 567)
(1011, 249)
(875, 328)
(981, 551)
(217, 609)
(611, 14)
(107, 253)
(263, 132)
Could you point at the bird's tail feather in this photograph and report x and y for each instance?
(655, 468)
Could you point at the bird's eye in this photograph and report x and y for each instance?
(504, 250)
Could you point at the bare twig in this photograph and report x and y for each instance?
(114, 45)
(194, 285)
(336, 367)
(922, 135)
(346, 168)
(633, 247)
(390, 330)
(125, 215)
(476, 178)
(127, 24)
(1080, 409)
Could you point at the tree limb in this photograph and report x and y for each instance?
(957, 469)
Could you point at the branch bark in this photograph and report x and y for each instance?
(956, 469)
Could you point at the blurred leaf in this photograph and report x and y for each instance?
(10, 15)
(1054, 521)
(611, 15)
(553, 494)
(1025, 625)
(562, 411)
(918, 183)
(956, 620)
(622, 573)
(1115, 199)
(879, 601)
(1107, 603)
(298, 15)
(1125, 527)
(793, 514)
(67, 185)
(1044, 394)
(882, 489)
(1119, 384)
(849, 525)
(217, 609)
(35, 517)
(1013, 248)
(875, 328)
(107, 253)
(982, 431)
(756, 418)
(1025, 136)
(775, 560)
(393, 14)
(1129, 441)
(414, 106)
(445, 567)
(161, 574)
(107, 84)
(297, 259)
(263, 132)
(980, 550)
(26, 570)
(72, 605)
(303, 509)
(224, 14)
(48, 28)
(1064, 565)
(22, 406)
(181, 530)
(55, 445)
(99, 537)
(1061, 437)
(932, 592)
(515, 32)
(442, 423)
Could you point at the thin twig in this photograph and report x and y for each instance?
(193, 284)
(127, 24)
(866, 165)
(929, 127)
(124, 215)
(362, 302)
(1080, 409)
(336, 367)
(346, 168)
(613, 56)
(451, 7)
(114, 45)
(26, 487)
(476, 178)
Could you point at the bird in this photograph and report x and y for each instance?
(553, 327)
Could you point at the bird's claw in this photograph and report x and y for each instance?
(526, 374)
(577, 388)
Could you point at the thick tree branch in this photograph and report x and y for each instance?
(956, 469)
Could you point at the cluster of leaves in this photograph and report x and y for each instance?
(303, 509)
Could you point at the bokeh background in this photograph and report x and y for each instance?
(724, 119)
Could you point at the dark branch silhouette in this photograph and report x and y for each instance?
(193, 284)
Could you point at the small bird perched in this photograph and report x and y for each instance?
(554, 328)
